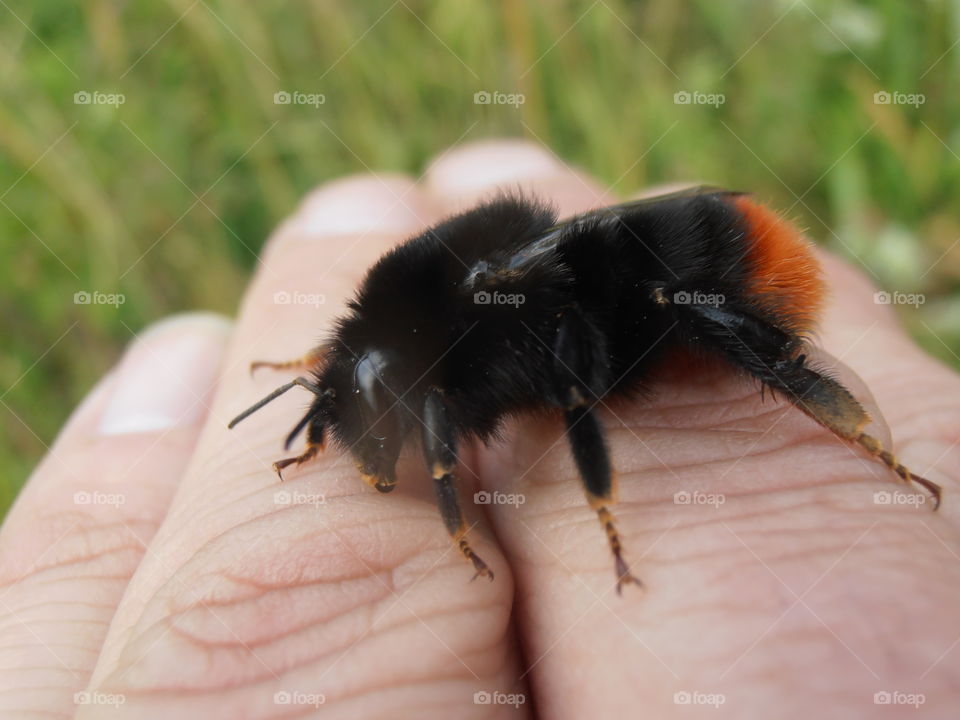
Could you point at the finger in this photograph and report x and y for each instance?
(82, 522)
(321, 587)
(707, 434)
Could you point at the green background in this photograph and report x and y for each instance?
(168, 197)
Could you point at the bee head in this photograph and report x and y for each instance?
(369, 418)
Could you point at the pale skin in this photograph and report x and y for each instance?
(185, 586)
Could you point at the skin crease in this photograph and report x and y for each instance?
(797, 595)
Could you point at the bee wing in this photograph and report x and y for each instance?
(540, 247)
(615, 212)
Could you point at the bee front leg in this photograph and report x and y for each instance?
(440, 452)
(305, 362)
(315, 444)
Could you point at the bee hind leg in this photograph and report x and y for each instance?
(833, 406)
(773, 357)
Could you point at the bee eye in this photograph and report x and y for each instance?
(477, 274)
(371, 392)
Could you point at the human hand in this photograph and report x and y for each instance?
(230, 595)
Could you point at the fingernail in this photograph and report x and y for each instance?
(489, 163)
(167, 375)
(358, 205)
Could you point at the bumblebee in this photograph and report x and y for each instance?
(503, 310)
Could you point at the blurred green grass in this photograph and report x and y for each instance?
(168, 197)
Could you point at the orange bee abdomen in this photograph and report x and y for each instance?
(785, 274)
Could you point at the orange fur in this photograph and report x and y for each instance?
(786, 274)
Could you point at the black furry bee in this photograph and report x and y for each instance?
(502, 310)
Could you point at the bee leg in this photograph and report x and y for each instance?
(831, 404)
(580, 362)
(305, 362)
(593, 461)
(315, 444)
(439, 449)
(772, 356)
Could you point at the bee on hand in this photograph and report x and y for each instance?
(503, 310)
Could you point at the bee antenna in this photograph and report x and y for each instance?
(315, 410)
(301, 381)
